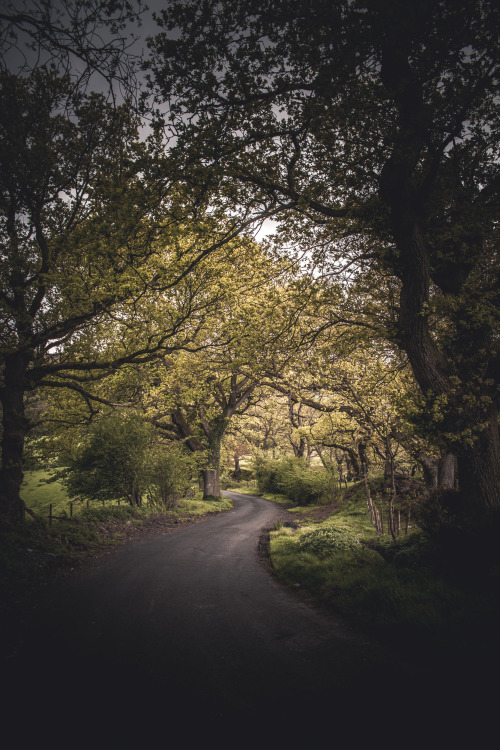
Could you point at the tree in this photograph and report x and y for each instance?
(86, 40)
(120, 457)
(72, 233)
(194, 394)
(372, 126)
(202, 409)
(199, 394)
(97, 268)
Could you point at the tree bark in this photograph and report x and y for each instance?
(211, 484)
(15, 427)
(211, 473)
(478, 463)
(446, 471)
(479, 468)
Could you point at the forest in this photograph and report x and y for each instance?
(253, 241)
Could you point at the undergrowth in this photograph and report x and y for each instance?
(404, 592)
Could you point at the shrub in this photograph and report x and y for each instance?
(109, 463)
(327, 539)
(413, 551)
(302, 484)
(168, 474)
(294, 479)
(266, 474)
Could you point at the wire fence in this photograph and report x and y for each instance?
(54, 516)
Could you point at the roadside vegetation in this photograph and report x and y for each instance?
(432, 599)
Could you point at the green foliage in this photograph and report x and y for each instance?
(443, 513)
(121, 458)
(99, 514)
(167, 475)
(413, 551)
(68, 538)
(265, 471)
(412, 592)
(350, 165)
(294, 479)
(327, 539)
(109, 464)
(200, 506)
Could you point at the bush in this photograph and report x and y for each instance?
(121, 459)
(265, 471)
(109, 463)
(328, 539)
(168, 474)
(294, 479)
(413, 551)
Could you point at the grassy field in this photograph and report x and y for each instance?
(39, 493)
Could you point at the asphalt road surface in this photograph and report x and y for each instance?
(187, 634)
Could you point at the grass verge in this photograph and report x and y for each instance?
(410, 593)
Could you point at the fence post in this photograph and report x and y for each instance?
(71, 508)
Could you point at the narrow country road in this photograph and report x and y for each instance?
(189, 631)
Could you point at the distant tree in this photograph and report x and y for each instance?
(199, 393)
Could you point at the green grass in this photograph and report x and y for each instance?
(38, 492)
(199, 507)
(401, 592)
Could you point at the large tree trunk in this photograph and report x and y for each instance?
(479, 469)
(211, 473)
(211, 484)
(15, 426)
(446, 471)
(401, 189)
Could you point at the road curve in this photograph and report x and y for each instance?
(189, 631)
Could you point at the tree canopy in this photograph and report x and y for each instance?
(371, 129)
(366, 130)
